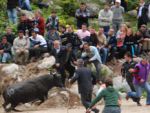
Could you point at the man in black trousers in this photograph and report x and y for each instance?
(85, 80)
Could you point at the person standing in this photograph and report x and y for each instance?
(85, 83)
(111, 98)
(142, 13)
(82, 15)
(118, 11)
(52, 21)
(12, 11)
(105, 18)
(39, 22)
(140, 73)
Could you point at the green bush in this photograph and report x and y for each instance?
(69, 6)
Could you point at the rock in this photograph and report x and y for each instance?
(10, 69)
(29, 14)
(120, 84)
(46, 63)
(132, 13)
(59, 98)
(94, 8)
(106, 72)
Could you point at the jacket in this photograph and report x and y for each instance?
(6, 47)
(11, 4)
(110, 95)
(85, 79)
(142, 72)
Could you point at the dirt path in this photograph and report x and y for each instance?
(127, 107)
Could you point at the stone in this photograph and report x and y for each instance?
(120, 84)
(46, 63)
(10, 69)
(132, 13)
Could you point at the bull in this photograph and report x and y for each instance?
(30, 91)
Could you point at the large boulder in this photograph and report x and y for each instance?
(94, 8)
(105, 73)
(46, 63)
(61, 98)
(10, 69)
(132, 13)
(120, 84)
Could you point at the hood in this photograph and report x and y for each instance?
(111, 89)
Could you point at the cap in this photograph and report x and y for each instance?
(20, 31)
(36, 30)
(119, 1)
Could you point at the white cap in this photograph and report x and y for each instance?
(119, 1)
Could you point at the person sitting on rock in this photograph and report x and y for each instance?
(5, 50)
(21, 48)
(91, 54)
(38, 44)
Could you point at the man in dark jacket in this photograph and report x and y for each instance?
(5, 50)
(10, 36)
(59, 52)
(85, 80)
(129, 64)
(142, 13)
(11, 10)
(82, 14)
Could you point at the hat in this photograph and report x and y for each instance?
(20, 31)
(119, 1)
(35, 30)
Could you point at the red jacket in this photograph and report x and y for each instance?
(41, 26)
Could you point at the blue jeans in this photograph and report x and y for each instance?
(5, 57)
(12, 15)
(25, 4)
(106, 29)
(104, 54)
(139, 88)
(112, 110)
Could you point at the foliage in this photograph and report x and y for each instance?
(69, 6)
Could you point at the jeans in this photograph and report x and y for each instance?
(5, 57)
(139, 88)
(12, 15)
(98, 69)
(106, 29)
(104, 54)
(116, 25)
(25, 4)
(112, 110)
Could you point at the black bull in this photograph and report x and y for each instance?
(30, 90)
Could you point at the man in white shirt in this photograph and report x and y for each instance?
(38, 44)
(105, 18)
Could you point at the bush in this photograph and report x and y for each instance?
(69, 6)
